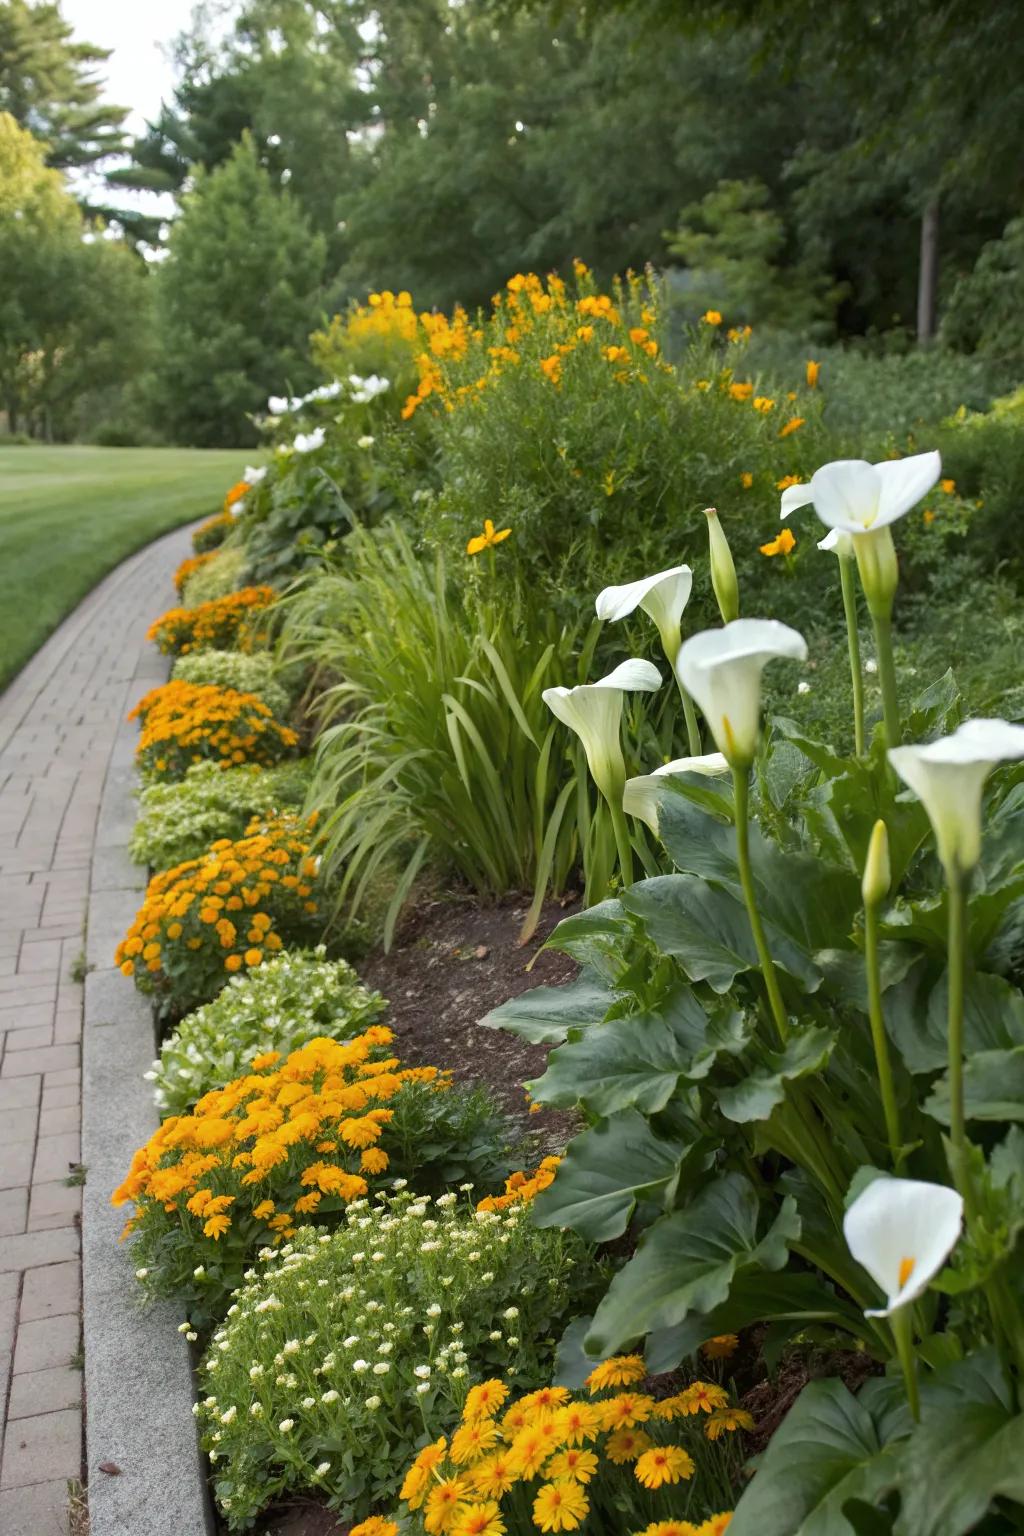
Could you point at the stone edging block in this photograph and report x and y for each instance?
(138, 1375)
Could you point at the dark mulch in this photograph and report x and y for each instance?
(300, 1519)
(453, 962)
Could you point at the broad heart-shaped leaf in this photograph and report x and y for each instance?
(993, 1088)
(687, 1261)
(708, 931)
(594, 937)
(755, 1297)
(811, 901)
(829, 1448)
(916, 1017)
(545, 1015)
(756, 1095)
(572, 1364)
(1002, 845)
(967, 1450)
(639, 1060)
(604, 1172)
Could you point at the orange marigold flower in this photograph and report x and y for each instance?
(781, 545)
(812, 372)
(619, 1371)
(711, 317)
(792, 425)
(663, 1464)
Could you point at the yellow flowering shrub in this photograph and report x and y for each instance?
(520, 1188)
(186, 723)
(190, 566)
(212, 533)
(612, 1459)
(388, 336)
(290, 1140)
(223, 624)
(212, 917)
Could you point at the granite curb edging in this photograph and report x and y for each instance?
(139, 1384)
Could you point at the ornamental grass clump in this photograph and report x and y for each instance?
(185, 723)
(290, 999)
(181, 820)
(245, 672)
(345, 1352)
(226, 572)
(613, 1459)
(209, 918)
(296, 1136)
(232, 621)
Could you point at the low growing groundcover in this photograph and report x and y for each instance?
(94, 506)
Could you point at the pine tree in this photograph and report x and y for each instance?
(237, 298)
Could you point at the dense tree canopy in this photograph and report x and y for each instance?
(49, 84)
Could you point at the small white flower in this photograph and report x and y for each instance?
(192, 1337)
(422, 1371)
(229, 1415)
(373, 1403)
(871, 665)
(255, 1372)
(422, 1387)
(140, 1274)
(359, 1366)
(382, 1368)
(308, 1403)
(323, 1469)
(434, 1310)
(364, 442)
(803, 686)
(330, 1397)
(286, 1425)
(509, 1313)
(256, 1411)
(512, 1340)
(291, 1347)
(199, 1271)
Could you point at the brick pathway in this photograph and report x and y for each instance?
(57, 725)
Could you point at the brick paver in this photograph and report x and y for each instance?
(57, 725)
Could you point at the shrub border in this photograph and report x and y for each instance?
(138, 1374)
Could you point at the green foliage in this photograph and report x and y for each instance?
(733, 242)
(179, 821)
(216, 579)
(237, 235)
(244, 672)
(294, 997)
(983, 313)
(349, 1350)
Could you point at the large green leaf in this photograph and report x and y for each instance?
(594, 937)
(640, 1059)
(755, 1297)
(829, 1449)
(604, 1172)
(916, 1018)
(545, 1015)
(967, 1450)
(687, 1261)
(708, 931)
(807, 1050)
(993, 1088)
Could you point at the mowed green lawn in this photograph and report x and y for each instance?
(69, 514)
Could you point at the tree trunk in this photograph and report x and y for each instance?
(927, 273)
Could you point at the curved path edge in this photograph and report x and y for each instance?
(138, 1375)
(73, 1103)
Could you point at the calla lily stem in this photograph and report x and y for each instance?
(741, 793)
(882, 623)
(902, 1332)
(879, 1039)
(623, 846)
(853, 643)
(692, 729)
(957, 897)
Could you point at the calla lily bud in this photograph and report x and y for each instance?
(878, 568)
(948, 777)
(641, 796)
(594, 712)
(877, 870)
(902, 1231)
(663, 597)
(723, 570)
(722, 669)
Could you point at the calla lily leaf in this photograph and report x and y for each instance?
(594, 937)
(993, 1088)
(603, 1174)
(639, 1060)
(916, 1012)
(545, 1015)
(686, 1262)
(708, 932)
(807, 1050)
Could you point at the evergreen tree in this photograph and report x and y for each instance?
(236, 300)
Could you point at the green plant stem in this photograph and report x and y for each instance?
(878, 1035)
(623, 846)
(956, 961)
(882, 623)
(692, 728)
(741, 791)
(903, 1336)
(853, 644)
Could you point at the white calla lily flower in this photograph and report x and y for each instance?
(902, 1231)
(663, 597)
(594, 712)
(641, 796)
(722, 669)
(855, 496)
(948, 777)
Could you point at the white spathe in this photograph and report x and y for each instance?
(663, 597)
(902, 1231)
(641, 795)
(948, 777)
(855, 496)
(722, 669)
(308, 442)
(594, 712)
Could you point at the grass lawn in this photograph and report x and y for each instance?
(69, 514)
